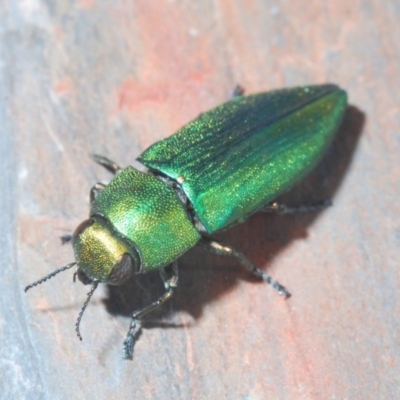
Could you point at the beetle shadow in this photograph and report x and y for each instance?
(204, 277)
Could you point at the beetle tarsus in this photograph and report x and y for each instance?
(276, 285)
(225, 250)
(169, 275)
(133, 333)
(65, 239)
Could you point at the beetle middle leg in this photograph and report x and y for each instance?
(224, 250)
(95, 190)
(279, 208)
(108, 164)
(169, 275)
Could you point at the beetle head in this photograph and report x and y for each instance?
(102, 254)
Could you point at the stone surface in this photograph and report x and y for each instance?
(80, 77)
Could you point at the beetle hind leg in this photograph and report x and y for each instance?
(169, 275)
(224, 250)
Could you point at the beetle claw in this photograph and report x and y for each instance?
(283, 291)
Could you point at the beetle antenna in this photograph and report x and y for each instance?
(78, 321)
(49, 276)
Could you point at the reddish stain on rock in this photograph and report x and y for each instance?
(86, 4)
(63, 87)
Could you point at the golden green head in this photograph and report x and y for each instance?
(102, 254)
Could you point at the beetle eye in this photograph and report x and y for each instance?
(83, 277)
(122, 271)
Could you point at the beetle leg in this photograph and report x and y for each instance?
(224, 250)
(238, 91)
(66, 238)
(279, 208)
(169, 275)
(108, 164)
(95, 190)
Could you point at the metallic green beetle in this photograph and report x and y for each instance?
(215, 172)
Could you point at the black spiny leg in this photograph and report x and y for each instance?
(66, 238)
(108, 164)
(279, 208)
(95, 190)
(237, 92)
(224, 250)
(169, 275)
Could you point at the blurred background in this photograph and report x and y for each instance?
(95, 76)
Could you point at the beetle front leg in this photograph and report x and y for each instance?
(94, 191)
(224, 250)
(238, 91)
(169, 275)
(279, 208)
(65, 238)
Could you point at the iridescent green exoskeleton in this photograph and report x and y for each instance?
(215, 172)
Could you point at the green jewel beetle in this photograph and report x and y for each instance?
(213, 173)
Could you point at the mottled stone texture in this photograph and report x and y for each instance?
(112, 77)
